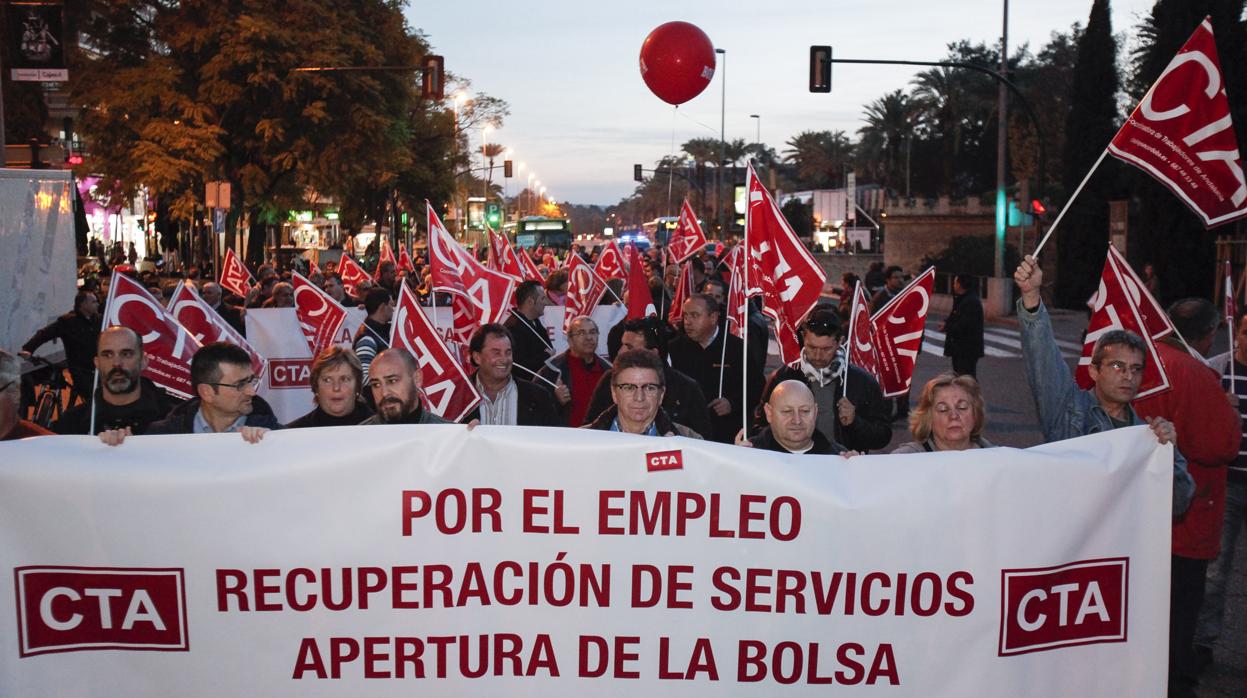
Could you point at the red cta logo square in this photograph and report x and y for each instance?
(664, 460)
(1078, 603)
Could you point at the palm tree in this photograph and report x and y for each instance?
(888, 132)
(820, 157)
(490, 151)
(944, 99)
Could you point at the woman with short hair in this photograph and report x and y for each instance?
(337, 377)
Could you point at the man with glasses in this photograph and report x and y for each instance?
(1209, 425)
(637, 389)
(225, 401)
(576, 372)
(1064, 410)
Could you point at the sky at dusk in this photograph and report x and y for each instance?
(581, 115)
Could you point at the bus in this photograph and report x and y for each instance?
(659, 229)
(540, 231)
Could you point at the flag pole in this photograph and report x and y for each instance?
(1069, 202)
(536, 375)
(1229, 317)
(744, 337)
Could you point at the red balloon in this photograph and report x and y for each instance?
(677, 62)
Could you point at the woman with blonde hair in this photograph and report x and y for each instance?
(950, 416)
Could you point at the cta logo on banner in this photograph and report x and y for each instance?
(1080, 603)
(69, 609)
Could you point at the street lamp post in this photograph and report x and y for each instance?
(718, 190)
(758, 120)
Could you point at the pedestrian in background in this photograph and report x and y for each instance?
(963, 341)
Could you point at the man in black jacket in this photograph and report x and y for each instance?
(531, 344)
(963, 330)
(701, 354)
(124, 399)
(682, 399)
(231, 314)
(791, 415)
(857, 417)
(78, 330)
(225, 385)
(505, 400)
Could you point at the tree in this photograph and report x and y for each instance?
(1163, 231)
(820, 158)
(889, 130)
(1091, 122)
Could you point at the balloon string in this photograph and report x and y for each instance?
(675, 111)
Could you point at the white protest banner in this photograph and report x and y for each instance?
(435, 560)
(275, 333)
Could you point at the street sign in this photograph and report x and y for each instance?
(217, 194)
(218, 220)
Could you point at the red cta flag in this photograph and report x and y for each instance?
(207, 326)
(502, 258)
(531, 272)
(404, 260)
(446, 386)
(1155, 319)
(312, 268)
(640, 301)
(352, 274)
(168, 346)
(737, 295)
(687, 239)
(610, 263)
(1116, 307)
(235, 277)
(683, 290)
(320, 316)
(387, 255)
(584, 291)
(1182, 134)
(898, 329)
(484, 294)
(862, 350)
(792, 281)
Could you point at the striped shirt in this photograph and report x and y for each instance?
(1238, 469)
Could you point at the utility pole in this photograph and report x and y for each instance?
(718, 190)
(1002, 149)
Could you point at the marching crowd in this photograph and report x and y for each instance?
(703, 382)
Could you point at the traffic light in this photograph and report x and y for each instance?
(433, 78)
(1037, 208)
(636, 173)
(820, 69)
(493, 215)
(506, 169)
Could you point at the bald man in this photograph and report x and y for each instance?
(792, 415)
(395, 381)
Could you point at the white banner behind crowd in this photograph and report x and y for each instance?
(438, 561)
(275, 334)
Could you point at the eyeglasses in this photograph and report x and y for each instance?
(241, 385)
(1121, 367)
(647, 389)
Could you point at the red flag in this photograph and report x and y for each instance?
(484, 294)
(898, 329)
(1154, 317)
(790, 281)
(404, 260)
(312, 268)
(584, 291)
(502, 258)
(1115, 309)
(446, 386)
(687, 238)
(610, 263)
(683, 289)
(530, 270)
(207, 326)
(387, 255)
(168, 345)
(1181, 134)
(737, 295)
(320, 316)
(235, 276)
(862, 349)
(640, 301)
(352, 274)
